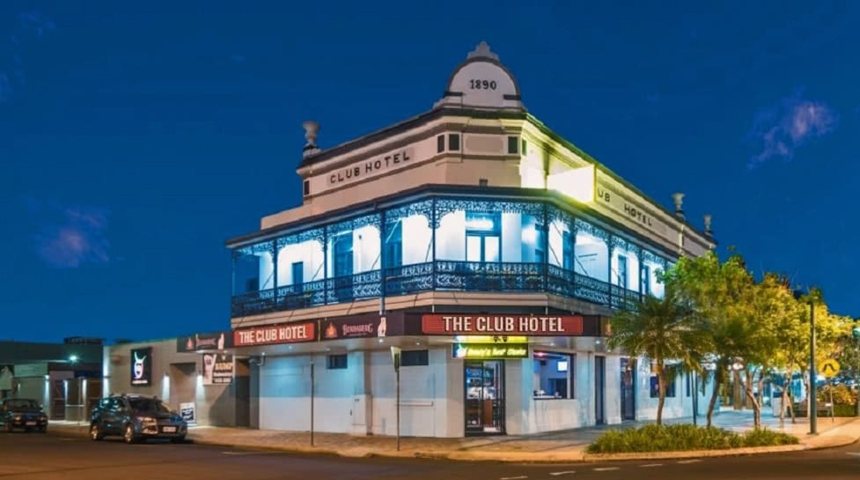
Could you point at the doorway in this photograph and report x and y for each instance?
(599, 390)
(485, 397)
(628, 389)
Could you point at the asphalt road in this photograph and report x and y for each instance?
(42, 457)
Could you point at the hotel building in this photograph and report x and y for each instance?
(480, 243)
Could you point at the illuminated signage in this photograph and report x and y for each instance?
(141, 366)
(495, 351)
(275, 334)
(500, 325)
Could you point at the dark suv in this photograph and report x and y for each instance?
(22, 413)
(135, 418)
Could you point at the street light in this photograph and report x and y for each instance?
(813, 394)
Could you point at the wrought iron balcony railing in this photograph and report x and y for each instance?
(440, 275)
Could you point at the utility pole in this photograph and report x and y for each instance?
(813, 394)
(312, 403)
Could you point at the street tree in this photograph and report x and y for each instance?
(663, 329)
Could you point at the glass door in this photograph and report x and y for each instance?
(485, 397)
(628, 389)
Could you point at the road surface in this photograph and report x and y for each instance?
(43, 457)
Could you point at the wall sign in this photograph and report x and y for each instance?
(371, 167)
(275, 334)
(486, 324)
(188, 412)
(217, 369)
(361, 327)
(141, 366)
(490, 351)
(204, 341)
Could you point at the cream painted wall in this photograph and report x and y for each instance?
(592, 257)
(417, 239)
(512, 234)
(451, 237)
(310, 252)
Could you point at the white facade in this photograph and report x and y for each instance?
(473, 208)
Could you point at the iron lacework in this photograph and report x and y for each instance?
(443, 274)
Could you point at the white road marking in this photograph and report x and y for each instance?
(566, 472)
(854, 454)
(606, 469)
(239, 453)
(693, 460)
(521, 477)
(651, 465)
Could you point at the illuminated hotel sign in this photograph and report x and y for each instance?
(479, 324)
(616, 201)
(370, 167)
(275, 334)
(479, 350)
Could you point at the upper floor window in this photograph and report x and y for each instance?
(454, 142)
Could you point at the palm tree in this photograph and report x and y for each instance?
(661, 329)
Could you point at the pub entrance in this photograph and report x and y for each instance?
(485, 397)
(628, 388)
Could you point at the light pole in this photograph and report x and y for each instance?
(813, 394)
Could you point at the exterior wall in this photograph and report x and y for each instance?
(675, 407)
(360, 399)
(175, 379)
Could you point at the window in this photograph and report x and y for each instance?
(414, 358)
(343, 255)
(393, 254)
(670, 386)
(646, 280)
(306, 186)
(337, 362)
(524, 150)
(553, 375)
(483, 241)
(513, 143)
(622, 271)
(440, 144)
(298, 271)
(483, 182)
(454, 142)
(689, 381)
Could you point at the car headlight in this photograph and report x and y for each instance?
(17, 418)
(147, 420)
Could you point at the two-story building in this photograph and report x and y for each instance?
(481, 243)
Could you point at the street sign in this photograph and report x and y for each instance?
(829, 368)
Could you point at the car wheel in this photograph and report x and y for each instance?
(96, 432)
(129, 435)
(43, 429)
(178, 439)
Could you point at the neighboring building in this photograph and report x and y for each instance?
(64, 377)
(193, 377)
(480, 242)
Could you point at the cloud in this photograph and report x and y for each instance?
(794, 121)
(73, 236)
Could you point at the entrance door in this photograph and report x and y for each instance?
(628, 389)
(485, 397)
(599, 390)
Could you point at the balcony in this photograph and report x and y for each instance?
(439, 276)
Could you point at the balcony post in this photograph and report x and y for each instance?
(383, 261)
(325, 263)
(610, 247)
(275, 274)
(545, 264)
(433, 226)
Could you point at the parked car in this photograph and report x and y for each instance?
(136, 418)
(23, 413)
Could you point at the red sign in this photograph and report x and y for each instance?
(275, 334)
(483, 324)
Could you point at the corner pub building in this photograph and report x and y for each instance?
(481, 243)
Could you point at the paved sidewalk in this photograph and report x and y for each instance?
(562, 446)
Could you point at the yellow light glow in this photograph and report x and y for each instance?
(490, 339)
(576, 183)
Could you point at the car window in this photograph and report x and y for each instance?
(21, 403)
(148, 405)
(115, 404)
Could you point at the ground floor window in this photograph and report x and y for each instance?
(337, 362)
(552, 377)
(670, 386)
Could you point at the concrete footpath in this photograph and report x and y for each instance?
(562, 446)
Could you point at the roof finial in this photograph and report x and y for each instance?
(482, 51)
(312, 128)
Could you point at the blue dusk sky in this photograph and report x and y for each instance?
(136, 137)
